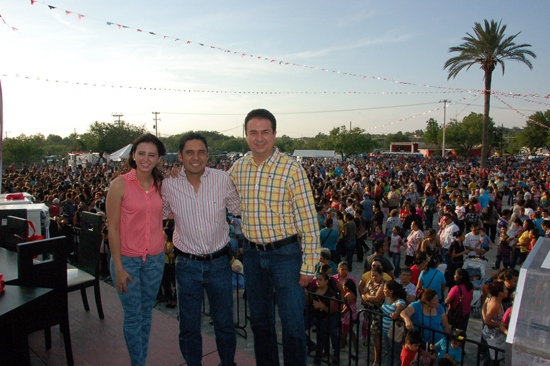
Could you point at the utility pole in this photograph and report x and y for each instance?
(118, 115)
(444, 101)
(156, 126)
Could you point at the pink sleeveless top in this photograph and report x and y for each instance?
(141, 231)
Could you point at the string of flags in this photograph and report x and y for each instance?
(420, 114)
(17, 76)
(271, 60)
(6, 23)
(527, 100)
(521, 114)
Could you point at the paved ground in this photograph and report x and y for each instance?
(247, 345)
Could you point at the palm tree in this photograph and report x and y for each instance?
(488, 48)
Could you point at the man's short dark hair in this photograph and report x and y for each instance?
(378, 245)
(261, 114)
(192, 136)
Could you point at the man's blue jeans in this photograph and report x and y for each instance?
(138, 302)
(277, 270)
(193, 277)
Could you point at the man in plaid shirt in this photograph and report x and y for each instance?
(281, 246)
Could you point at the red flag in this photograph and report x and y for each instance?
(80, 16)
(32, 2)
(139, 30)
(68, 12)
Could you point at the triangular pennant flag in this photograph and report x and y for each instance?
(139, 30)
(32, 2)
(109, 23)
(152, 33)
(119, 26)
(68, 12)
(80, 16)
(14, 29)
(51, 7)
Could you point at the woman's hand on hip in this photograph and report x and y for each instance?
(121, 279)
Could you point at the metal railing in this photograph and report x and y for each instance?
(241, 320)
(484, 352)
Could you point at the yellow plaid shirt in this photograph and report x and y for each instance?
(277, 202)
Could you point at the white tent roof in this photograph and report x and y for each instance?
(122, 153)
(314, 153)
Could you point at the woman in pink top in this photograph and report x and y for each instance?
(462, 279)
(136, 239)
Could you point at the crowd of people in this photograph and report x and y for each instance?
(412, 223)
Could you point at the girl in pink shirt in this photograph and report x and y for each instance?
(136, 239)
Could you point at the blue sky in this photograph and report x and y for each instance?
(400, 40)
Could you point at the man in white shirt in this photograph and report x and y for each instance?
(472, 242)
(447, 235)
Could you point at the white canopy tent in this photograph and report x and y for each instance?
(122, 153)
(314, 153)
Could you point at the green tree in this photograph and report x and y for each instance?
(347, 142)
(314, 143)
(23, 149)
(534, 136)
(488, 47)
(110, 137)
(465, 135)
(433, 130)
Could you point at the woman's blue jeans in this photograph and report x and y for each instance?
(266, 273)
(138, 302)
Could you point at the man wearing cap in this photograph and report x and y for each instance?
(198, 197)
(281, 246)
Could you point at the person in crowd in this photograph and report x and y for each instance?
(452, 354)
(414, 241)
(447, 236)
(372, 299)
(169, 278)
(394, 303)
(361, 233)
(510, 277)
(396, 244)
(462, 293)
(325, 259)
(431, 244)
(493, 312)
(322, 308)
(380, 249)
(420, 262)
(432, 278)
(136, 239)
(408, 286)
(504, 249)
(197, 197)
(349, 311)
(277, 208)
(427, 312)
(329, 239)
(412, 349)
(350, 238)
(472, 243)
